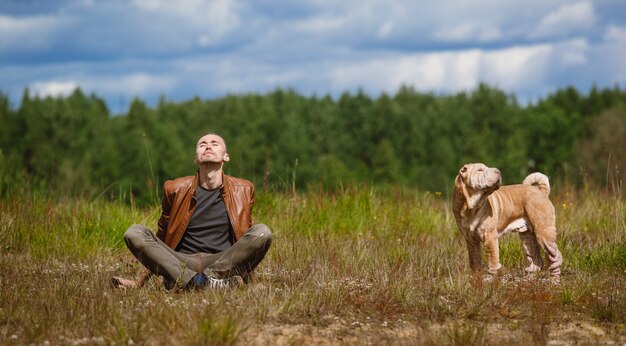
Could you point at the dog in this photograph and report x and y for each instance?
(484, 210)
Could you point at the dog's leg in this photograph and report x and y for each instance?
(475, 257)
(553, 255)
(545, 231)
(493, 255)
(531, 248)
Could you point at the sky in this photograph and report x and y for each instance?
(178, 50)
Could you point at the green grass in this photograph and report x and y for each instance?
(359, 266)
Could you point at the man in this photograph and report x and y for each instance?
(205, 237)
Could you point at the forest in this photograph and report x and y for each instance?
(74, 146)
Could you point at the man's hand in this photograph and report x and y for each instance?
(142, 278)
(120, 282)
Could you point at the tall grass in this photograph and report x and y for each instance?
(358, 266)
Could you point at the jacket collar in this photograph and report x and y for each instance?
(226, 184)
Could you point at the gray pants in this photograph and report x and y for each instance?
(178, 268)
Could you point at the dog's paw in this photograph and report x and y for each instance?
(494, 270)
(533, 268)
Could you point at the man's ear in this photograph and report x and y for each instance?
(226, 157)
(463, 171)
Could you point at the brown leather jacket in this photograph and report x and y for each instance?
(179, 203)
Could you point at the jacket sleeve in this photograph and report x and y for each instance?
(166, 206)
(251, 207)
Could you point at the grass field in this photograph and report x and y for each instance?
(359, 266)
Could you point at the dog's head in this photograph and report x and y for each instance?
(477, 181)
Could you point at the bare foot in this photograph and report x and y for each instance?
(120, 282)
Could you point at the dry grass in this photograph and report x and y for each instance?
(354, 267)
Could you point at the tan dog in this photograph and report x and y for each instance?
(484, 211)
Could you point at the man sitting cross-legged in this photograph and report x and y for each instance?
(205, 237)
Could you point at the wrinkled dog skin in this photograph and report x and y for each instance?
(484, 210)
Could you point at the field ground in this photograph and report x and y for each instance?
(355, 267)
(454, 332)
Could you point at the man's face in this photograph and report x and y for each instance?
(211, 149)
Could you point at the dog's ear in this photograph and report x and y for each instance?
(471, 200)
(460, 187)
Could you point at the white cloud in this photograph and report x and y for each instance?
(516, 67)
(54, 88)
(111, 82)
(572, 52)
(468, 31)
(118, 28)
(148, 4)
(385, 30)
(136, 84)
(207, 21)
(567, 19)
(132, 84)
(509, 68)
(211, 47)
(320, 25)
(436, 71)
(28, 33)
(616, 34)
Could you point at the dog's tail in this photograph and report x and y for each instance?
(539, 180)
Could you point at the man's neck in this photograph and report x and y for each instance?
(210, 177)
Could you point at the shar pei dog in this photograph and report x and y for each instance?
(484, 210)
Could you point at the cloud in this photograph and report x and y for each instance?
(527, 70)
(205, 23)
(82, 31)
(567, 19)
(137, 84)
(469, 31)
(29, 33)
(517, 67)
(54, 88)
(615, 34)
(207, 48)
(572, 52)
(130, 85)
(385, 30)
(509, 68)
(105, 80)
(320, 25)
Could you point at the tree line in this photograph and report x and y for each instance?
(73, 145)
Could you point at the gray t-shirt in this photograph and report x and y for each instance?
(209, 229)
